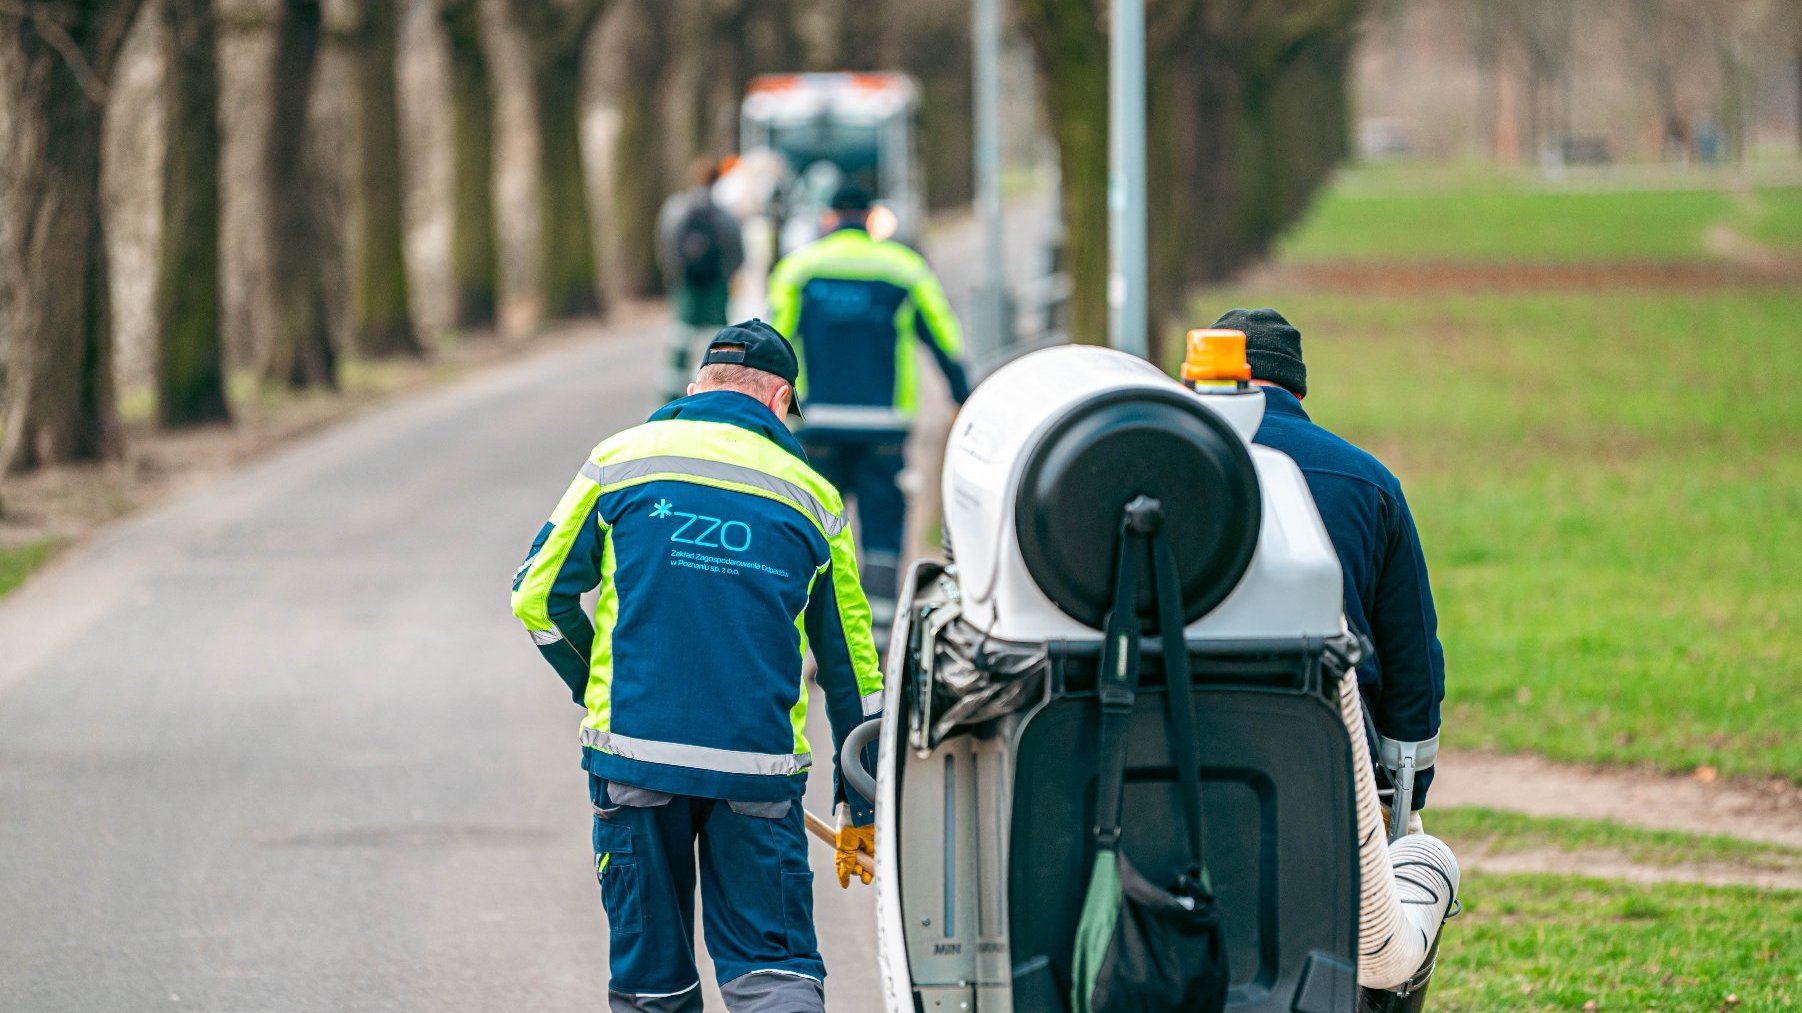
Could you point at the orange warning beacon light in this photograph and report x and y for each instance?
(1215, 359)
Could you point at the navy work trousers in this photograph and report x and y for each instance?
(868, 470)
(756, 894)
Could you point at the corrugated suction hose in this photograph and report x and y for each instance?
(1407, 886)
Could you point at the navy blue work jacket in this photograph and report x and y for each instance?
(1387, 597)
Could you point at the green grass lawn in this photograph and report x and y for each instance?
(1775, 217)
(1609, 489)
(1558, 942)
(1499, 831)
(17, 562)
(1475, 214)
(1499, 223)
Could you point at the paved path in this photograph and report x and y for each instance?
(279, 745)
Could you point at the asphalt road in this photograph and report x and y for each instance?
(280, 745)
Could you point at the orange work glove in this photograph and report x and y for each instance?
(853, 841)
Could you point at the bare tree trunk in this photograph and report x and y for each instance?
(640, 179)
(190, 367)
(743, 38)
(473, 268)
(932, 41)
(381, 324)
(566, 230)
(565, 224)
(1248, 112)
(54, 63)
(1187, 143)
(1072, 59)
(300, 352)
(1191, 145)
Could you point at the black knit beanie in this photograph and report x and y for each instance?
(1272, 346)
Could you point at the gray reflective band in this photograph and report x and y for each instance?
(677, 754)
(840, 416)
(1402, 760)
(719, 471)
(872, 703)
(686, 1001)
(1392, 753)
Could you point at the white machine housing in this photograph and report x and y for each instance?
(1291, 587)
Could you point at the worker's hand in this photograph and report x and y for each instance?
(1414, 824)
(851, 842)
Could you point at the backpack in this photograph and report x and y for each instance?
(698, 246)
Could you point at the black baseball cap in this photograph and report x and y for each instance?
(756, 345)
(851, 197)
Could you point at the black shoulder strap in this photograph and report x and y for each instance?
(1116, 685)
(1179, 694)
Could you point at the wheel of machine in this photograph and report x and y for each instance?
(1124, 443)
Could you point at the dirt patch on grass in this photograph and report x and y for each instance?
(1450, 278)
(1601, 864)
(1757, 810)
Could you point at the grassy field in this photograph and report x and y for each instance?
(1389, 216)
(1559, 942)
(1775, 218)
(1510, 225)
(1608, 483)
(1609, 489)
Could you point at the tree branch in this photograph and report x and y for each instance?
(57, 37)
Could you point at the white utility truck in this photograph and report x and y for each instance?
(832, 129)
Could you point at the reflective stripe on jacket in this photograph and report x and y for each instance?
(721, 558)
(854, 307)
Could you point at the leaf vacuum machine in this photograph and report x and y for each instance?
(1067, 470)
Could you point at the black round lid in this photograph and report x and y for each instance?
(1111, 448)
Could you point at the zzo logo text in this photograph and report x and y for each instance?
(705, 532)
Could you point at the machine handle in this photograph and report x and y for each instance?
(850, 760)
(829, 837)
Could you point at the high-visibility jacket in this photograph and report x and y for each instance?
(721, 558)
(854, 306)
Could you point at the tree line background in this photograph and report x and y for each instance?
(311, 181)
(1702, 81)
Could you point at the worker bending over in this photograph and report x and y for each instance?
(721, 558)
(1387, 597)
(855, 305)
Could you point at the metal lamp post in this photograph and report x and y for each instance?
(991, 335)
(1127, 270)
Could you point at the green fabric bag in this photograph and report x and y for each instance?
(1140, 948)
(1095, 929)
